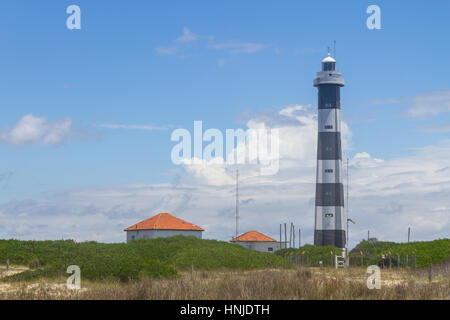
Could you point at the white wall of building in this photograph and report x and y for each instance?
(268, 246)
(149, 234)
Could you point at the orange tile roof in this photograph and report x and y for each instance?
(253, 236)
(164, 221)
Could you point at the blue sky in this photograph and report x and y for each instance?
(130, 65)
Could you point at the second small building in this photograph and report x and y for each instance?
(257, 241)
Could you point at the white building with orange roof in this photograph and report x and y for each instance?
(257, 241)
(162, 225)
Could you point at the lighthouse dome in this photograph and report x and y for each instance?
(328, 59)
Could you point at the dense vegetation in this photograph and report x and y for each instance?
(310, 255)
(165, 257)
(426, 252)
(157, 258)
(420, 254)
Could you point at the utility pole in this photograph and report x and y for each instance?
(285, 235)
(346, 244)
(237, 203)
(293, 235)
(280, 238)
(290, 235)
(347, 257)
(299, 238)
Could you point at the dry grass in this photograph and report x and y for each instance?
(275, 284)
(441, 270)
(11, 271)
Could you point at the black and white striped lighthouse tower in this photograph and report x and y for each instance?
(330, 215)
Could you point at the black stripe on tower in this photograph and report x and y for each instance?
(329, 146)
(329, 96)
(329, 195)
(329, 238)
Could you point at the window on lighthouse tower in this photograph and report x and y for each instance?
(329, 66)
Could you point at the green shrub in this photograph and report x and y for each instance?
(156, 258)
(426, 252)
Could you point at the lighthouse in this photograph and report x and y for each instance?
(329, 210)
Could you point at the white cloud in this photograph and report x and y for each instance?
(364, 160)
(238, 47)
(386, 195)
(35, 130)
(436, 128)
(423, 105)
(167, 50)
(430, 103)
(181, 42)
(187, 36)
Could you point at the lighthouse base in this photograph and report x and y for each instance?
(329, 238)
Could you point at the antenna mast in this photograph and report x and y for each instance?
(237, 202)
(335, 49)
